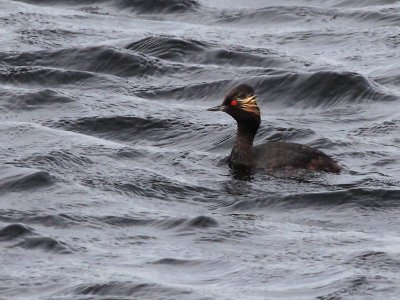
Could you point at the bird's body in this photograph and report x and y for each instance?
(279, 155)
(241, 104)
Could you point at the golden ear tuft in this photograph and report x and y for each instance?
(249, 101)
(249, 104)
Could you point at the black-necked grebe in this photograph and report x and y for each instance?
(241, 104)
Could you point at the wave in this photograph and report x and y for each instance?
(14, 231)
(139, 130)
(306, 90)
(163, 223)
(122, 289)
(123, 128)
(387, 17)
(303, 14)
(158, 6)
(45, 38)
(348, 286)
(375, 259)
(365, 3)
(171, 48)
(122, 221)
(58, 159)
(320, 89)
(194, 51)
(98, 59)
(116, 123)
(55, 2)
(20, 179)
(48, 244)
(187, 224)
(145, 184)
(199, 91)
(137, 6)
(361, 197)
(284, 134)
(384, 128)
(57, 221)
(394, 80)
(42, 99)
(176, 262)
(42, 76)
(29, 239)
(274, 14)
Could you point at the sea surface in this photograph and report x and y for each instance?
(113, 181)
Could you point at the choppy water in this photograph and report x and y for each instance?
(111, 181)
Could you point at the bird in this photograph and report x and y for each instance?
(241, 104)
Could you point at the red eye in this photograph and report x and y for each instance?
(234, 102)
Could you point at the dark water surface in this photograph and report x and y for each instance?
(111, 181)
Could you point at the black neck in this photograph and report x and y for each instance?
(242, 151)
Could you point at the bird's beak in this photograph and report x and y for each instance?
(217, 108)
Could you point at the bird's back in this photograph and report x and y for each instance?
(278, 155)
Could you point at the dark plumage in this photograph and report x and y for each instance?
(241, 104)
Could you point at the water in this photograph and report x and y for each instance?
(112, 181)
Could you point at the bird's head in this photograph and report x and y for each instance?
(241, 104)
